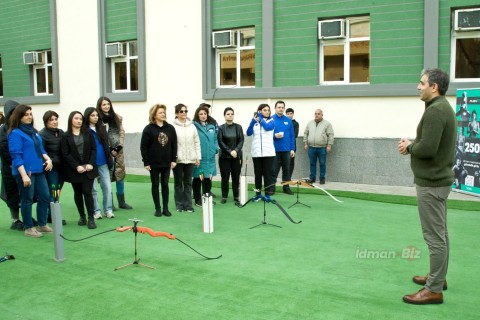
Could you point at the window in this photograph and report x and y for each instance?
(42, 75)
(124, 68)
(1, 78)
(465, 59)
(345, 50)
(235, 62)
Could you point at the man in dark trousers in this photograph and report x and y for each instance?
(284, 142)
(432, 153)
(296, 127)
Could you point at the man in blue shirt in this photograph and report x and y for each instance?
(284, 142)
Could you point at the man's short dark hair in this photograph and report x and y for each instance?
(289, 110)
(439, 77)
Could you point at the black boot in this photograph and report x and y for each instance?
(121, 202)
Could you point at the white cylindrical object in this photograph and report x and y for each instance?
(56, 211)
(207, 213)
(243, 190)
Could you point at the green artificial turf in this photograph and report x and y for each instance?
(317, 269)
(387, 198)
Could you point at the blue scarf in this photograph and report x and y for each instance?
(30, 130)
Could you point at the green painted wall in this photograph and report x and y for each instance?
(235, 14)
(32, 32)
(396, 37)
(121, 20)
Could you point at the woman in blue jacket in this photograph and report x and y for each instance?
(29, 160)
(203, 174)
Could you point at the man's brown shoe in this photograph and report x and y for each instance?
(422, 280)
(424, 297)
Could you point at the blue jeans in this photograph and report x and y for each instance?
(39, 188)
(54, 180)
(320, 154)
(120, 185)
(106, 186)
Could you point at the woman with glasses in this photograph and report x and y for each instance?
(188, 157)
(263, 151)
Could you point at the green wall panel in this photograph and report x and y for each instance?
(121, 20)
(395, 25)
(24, 26)
(235, 14)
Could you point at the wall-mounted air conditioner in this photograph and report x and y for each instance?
(224, 39)
(331, 29)
(115, 49)
(467, 19)
(33, 57)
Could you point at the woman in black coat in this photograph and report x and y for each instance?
(51, 137)
(79, 153)
(230, 141)
(159, 154)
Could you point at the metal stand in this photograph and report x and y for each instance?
(298, 201)
(264, 222)
(136, 260)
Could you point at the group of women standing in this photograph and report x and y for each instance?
(42, 161)
(189, 148)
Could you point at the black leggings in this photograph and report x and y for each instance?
(160, 176)
(233, 167)
(198, 184)
(263, 167)
(83, 191)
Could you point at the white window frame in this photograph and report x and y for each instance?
(125, 59)
(237, 50)
(346, 55)
(45, 67)
(453, 49)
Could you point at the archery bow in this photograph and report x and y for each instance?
(267, 199)
(145, 230)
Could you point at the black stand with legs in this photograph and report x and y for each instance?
(298, 200)
(264, 222)
(136, 259)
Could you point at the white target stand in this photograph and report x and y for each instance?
(207, 212)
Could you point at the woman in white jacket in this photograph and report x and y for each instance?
(263, 150)
(188, 156)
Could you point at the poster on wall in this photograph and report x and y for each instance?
(466, 167)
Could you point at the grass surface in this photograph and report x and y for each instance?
(314, 270)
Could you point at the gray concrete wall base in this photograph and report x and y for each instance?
(363, 161)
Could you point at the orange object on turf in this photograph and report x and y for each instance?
(149, 231)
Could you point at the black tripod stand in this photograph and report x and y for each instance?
(136, 260)
(264, 222)
(298, 200)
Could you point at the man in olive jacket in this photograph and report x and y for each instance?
(432, 154)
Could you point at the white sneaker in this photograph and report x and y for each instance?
(32, 232)
(109, 214)
(97, 215)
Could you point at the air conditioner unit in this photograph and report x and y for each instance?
(115, 49)
(224, 39)
(33, 57)
(331, 29)
(467, 19)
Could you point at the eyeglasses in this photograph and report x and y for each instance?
(183, 111)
